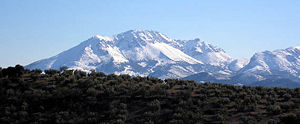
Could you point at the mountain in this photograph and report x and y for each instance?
(281, 64)
(268, 68)
(137, 52)
(151, 53)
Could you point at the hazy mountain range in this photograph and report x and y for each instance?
(150, 53)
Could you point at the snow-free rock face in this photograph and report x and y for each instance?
(141, 53)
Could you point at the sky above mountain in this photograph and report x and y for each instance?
(33, 29)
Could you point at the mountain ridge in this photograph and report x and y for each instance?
(151, 53)
(267, 68)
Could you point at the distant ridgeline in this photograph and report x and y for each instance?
(30, 96)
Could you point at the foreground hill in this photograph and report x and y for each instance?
(74, 97)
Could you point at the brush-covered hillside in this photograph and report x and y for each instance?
(30, 96)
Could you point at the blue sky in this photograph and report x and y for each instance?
(31, 30)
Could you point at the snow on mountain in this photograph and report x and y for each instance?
(179, 56)
(206, 52)
(283, 63)
(138, 52)
(268, 68)
(237, 64)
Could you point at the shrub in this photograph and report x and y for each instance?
(274, 109)
(52, 72)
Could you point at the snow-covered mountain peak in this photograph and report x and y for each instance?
(207, 53)
(294, 50)
(202, 46)
(209, 47)
(283, 62)
(143, 35)
(105, 38)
